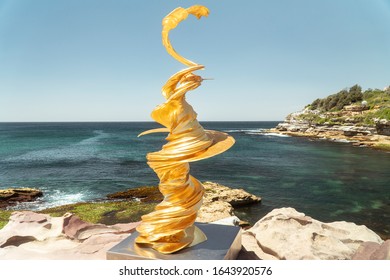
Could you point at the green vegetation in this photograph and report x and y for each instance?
(373, 104)
(336, 102)
(377, 97)
(382, 146)
(109, 213)
(4, 216)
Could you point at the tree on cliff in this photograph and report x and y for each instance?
(336, 102)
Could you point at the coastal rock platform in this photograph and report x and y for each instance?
(345, 125)
(358, 136)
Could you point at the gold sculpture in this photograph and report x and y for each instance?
(171, 226)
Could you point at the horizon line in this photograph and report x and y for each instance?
(1, 122)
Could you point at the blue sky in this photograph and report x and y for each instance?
(80, 60)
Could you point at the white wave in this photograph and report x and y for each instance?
(55, 199)
(341, 140)
(61, 198)
(254, 133)
(257, 130)
(276, 134)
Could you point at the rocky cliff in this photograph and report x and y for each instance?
(365, 121)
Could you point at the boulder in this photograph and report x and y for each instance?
(12, 196)
(287, 234)
(235, 197)
(382, 126)
(219, 202)
(211, 211)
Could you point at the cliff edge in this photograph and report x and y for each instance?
(362, 118)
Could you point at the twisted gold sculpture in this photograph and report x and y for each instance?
(171, 226)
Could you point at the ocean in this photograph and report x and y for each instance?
(73, 162)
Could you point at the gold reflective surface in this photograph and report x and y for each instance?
(171, 226)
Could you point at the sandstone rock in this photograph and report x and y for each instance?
(373, 251)
(29, 235)
(99, 243)
(213, 211)
(235, 197)
(77, 229)
(218, 202)
(27, 226)
(251, 249)
(383, 126)
(383, 252)
(13, 196)
(365, 250)
(282, 234)
(72, 225)
(293, 127)
(287, 234)
(354, 108)
(213, 192)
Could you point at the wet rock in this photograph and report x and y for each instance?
(12, 196)
(144, 194)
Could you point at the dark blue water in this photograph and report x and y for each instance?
(74, 162)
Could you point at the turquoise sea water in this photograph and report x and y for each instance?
(74, 162)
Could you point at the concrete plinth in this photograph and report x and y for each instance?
(223, 243)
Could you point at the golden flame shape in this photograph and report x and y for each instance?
(171, 226)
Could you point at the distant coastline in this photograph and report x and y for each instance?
(351, 116)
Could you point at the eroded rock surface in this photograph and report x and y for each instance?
(282, 234)
(287, 234)
(219, 202)
(29, 235)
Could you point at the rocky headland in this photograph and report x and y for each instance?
(362, 118)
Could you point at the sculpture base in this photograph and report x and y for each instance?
(223, 243)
